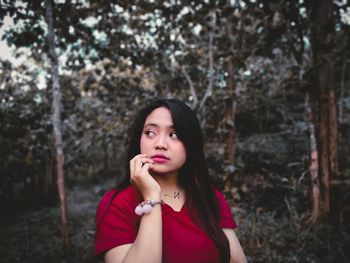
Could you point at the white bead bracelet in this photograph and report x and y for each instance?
(146, 207)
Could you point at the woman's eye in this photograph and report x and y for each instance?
(173, 135)
(150, 133)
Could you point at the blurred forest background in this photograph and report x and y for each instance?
(269, 81)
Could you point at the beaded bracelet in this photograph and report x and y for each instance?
(146, 207)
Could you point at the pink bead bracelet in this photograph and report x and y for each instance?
(146, 207)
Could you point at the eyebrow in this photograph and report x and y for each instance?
(151, 124)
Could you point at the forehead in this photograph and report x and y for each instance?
(159, 117)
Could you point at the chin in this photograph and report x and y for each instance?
(160, 171)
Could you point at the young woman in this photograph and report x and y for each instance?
(166, 209)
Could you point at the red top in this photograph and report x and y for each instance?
(183, 240)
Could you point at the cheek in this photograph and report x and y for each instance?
(143, 144)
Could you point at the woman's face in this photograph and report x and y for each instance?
(159, 141)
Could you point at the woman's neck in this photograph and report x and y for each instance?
(171, 192)
(168, 183)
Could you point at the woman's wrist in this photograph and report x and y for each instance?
(152, 196)
(146, 206)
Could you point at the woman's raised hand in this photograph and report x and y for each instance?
(141, 178)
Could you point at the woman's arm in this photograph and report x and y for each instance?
(237, 254)
(148, 243)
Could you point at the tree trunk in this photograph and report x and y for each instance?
(56, 119)
(335, 190)
(230, 103)
(325, 108)
(47, 184)
(314, 176)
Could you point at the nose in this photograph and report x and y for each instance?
(161, 143)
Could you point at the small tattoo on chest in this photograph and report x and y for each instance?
(177, 195)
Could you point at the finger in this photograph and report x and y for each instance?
(141, 161)
(147, 167)
(134, 161)
(136, 165)
(132, 166)
(146, 160)
(137, 157)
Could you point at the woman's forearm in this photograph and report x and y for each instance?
(148, 243)
(147, 246)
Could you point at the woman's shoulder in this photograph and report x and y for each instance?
(218, 194)
(226, 219)
(221, 198)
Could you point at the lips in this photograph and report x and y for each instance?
(160, 158)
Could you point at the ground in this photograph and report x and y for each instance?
(34, 235)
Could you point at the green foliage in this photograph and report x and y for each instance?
(25, 133)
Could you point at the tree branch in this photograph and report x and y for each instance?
(209, 90)
(193, 91)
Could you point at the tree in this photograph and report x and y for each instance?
(321, 87)
(324, 108)
(56, 120)
(26, 151)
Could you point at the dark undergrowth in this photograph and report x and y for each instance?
(266, 235)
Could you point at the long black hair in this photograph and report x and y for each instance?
(201, 200)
